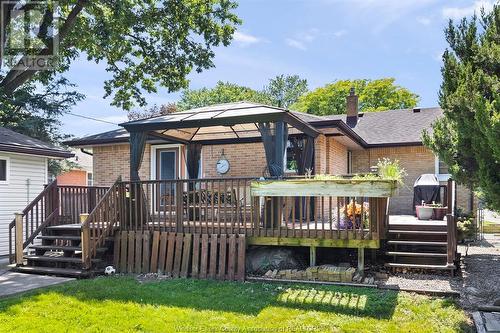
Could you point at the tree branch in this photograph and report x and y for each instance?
(15, 78)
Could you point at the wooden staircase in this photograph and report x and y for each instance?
(418, 246)
(58, 251)
(43, 240)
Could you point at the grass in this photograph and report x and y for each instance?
(491, 227)
(120, 304)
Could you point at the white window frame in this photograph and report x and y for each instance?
(154, 148)
(442, 177)
(92, 178)
(7, 170)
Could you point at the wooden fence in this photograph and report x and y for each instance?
(181, 254)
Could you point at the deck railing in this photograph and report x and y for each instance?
(55, 205)
(225, 205)
(101, 222)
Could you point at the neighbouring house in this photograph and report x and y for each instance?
(349, 143)
(23, 174)
(81, 174)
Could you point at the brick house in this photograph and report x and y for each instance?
(350, 143)
(81, 174)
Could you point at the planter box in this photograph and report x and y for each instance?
(316, 187)
(424, 212)
(439, 213)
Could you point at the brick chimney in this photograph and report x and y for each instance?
(352, 108)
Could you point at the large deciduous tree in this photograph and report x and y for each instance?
(144, 44)
(467, 137)
(374, 95)
(223, 92)
(285, 90)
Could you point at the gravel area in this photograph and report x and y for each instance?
(478, 282)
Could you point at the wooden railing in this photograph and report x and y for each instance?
(55, 205)
(221, 206)
(40, 213)
(77, 200)
(101, 222)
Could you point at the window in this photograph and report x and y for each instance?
(441, 170)
(290, 158)
(4, 170)
(90, 179)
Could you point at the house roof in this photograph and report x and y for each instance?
(393, 127)
(384, 128)
(14, 142)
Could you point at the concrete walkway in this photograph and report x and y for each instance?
(13, 283)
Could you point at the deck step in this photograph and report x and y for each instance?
(75, 238)
(65, 227)
(50, 270)
(416, 232)
(421, 266)
(407, 242)
(416, 254)
(55, 247)
(73, 260)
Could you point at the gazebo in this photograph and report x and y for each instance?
(229, 123)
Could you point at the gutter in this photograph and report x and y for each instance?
(36, 151)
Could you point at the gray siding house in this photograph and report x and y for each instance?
(23, 174)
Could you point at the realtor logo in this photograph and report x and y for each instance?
(29, 35)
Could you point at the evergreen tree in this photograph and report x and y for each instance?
(467, 138)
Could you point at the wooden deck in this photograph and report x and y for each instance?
(412, 220)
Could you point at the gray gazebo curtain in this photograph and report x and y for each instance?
(137, 146)
(268, 133)
(193, 160)
(303, 149)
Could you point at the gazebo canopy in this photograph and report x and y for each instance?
(218, 122)
(231, 122)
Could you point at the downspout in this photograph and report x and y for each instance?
(86, 152)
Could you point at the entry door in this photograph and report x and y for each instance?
(166, 168)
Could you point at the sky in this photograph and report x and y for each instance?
(320, 40)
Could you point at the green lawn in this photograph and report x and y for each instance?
(121, 304)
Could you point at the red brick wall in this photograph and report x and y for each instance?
(112, 161)
(416, 160)
(73, 177)
(245, 160)
(330, 156)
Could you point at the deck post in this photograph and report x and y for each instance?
(361, 260)
(449, 196)
(85, 241)
(179, 205)
(451, 237)
(312, 256)
(19, 238)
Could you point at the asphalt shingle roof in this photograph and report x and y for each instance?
(391, 127)
(11, 141)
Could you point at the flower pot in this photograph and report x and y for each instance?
(424, 212)
(439, 213)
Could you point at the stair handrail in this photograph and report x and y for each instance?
(100, 223)
(48, 217)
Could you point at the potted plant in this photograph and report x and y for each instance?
(439, 212)
(424, 212)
